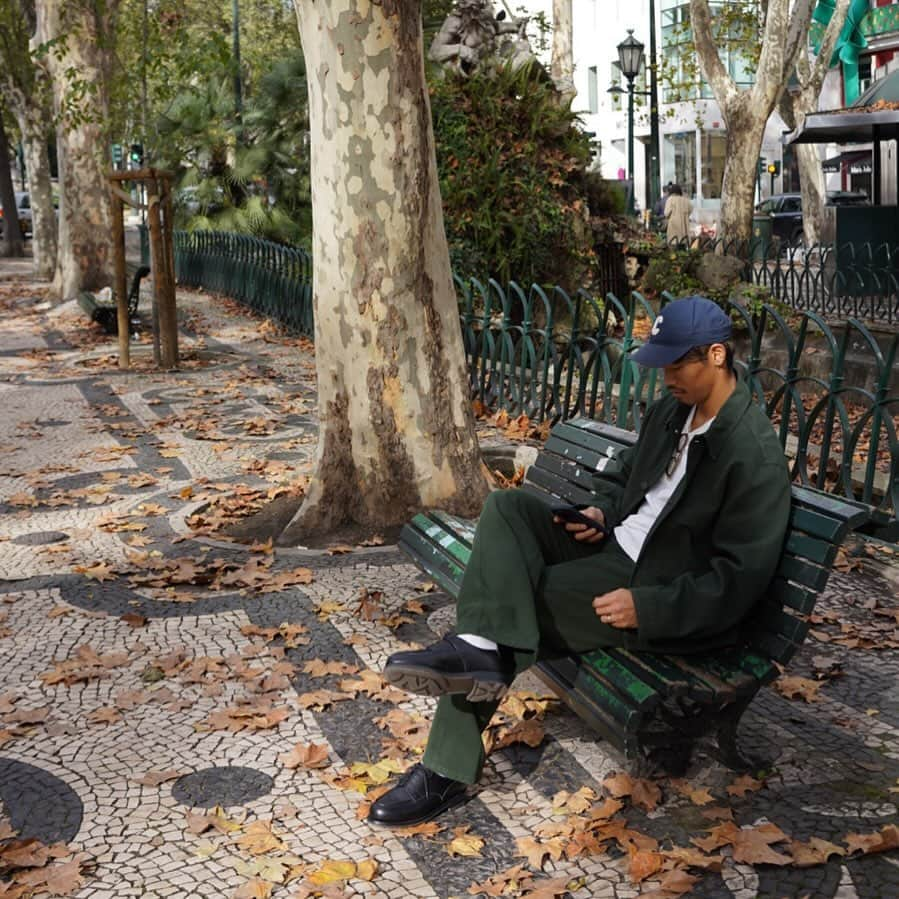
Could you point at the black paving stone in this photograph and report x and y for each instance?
(38, 804)
(226, 786)
(41, 538)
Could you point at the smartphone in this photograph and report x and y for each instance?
(573, 515)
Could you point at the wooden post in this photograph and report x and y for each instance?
(161, 284)
(121, 281)
(168, 241)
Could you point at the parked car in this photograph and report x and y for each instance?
(786, 211)
(23, 210)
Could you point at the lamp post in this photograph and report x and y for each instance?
(630, 59)
(655, 162)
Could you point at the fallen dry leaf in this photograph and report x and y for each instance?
(464, 843)
(313, 755)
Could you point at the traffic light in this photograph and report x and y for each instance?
(774, 168)
(117, 156)
(137, 154)
(761, 166)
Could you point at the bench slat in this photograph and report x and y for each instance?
(817, 524)
(660, 674)
(810, 548)
(803, 573)
(445, 570)
(550, 483)
(573, 472)
(848, 511)
(593, 691)
(462, 528)
(774, 646)
(634, 689)
(792, 595)
(723, 691)
(771, 617)
(564, 450)
(605, 725)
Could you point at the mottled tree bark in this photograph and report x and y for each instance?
(13, 243)
(396, 430)
(562, 63)
(84, 258)
(795, 106)
(745, 112)
(33, 125)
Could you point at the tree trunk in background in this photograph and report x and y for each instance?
(33, 125)
(794, 107)
(13, 243)
(84, 258)
(396, 429)
(746, 112)
(562, 63)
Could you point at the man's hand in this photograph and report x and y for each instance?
(616, 608)
(581, 532)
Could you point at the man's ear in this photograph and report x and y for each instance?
(718, 354)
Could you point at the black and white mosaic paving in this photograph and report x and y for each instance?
(82, 771)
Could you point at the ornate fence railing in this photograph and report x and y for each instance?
(830, 389)
(837, 281)
(272, 279)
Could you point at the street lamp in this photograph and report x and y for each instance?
(630, 61)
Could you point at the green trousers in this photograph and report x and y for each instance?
(529, 585)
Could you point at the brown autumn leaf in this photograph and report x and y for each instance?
(330, 871)
(752, 845)
(319, 700)
(673, 884)
(98, 571)
(530, 732)
(65, 878)
(464, 843)
(313, 755)
(795, 687)
(29, 853)
(882, 841)
(537, 851)
(643, 793)
(339, 549)
(700, 797)
(505, 883)
(132, 619)
(743, 785)
(258, 838)
(320, 668)
(815, 852)
(643, 864)
(565, 803)
(686, 856)
(547, 888)
(155, 778)
(254, 889)
(105, 715)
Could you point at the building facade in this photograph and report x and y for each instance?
(692, 129)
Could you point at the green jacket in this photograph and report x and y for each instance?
(714, 549)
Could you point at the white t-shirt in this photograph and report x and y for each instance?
(632, 532)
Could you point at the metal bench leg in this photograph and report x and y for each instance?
(726, 736)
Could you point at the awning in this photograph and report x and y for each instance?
(845, 126)
(859, 161)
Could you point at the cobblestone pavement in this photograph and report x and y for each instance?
(150, 726)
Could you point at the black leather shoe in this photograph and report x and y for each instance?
(451, 666)
(420, 794)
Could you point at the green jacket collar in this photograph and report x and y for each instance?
(729, 415)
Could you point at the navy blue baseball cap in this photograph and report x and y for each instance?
(680, 326)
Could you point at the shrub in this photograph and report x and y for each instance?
(511, 161)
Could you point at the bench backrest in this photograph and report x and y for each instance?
(819, 523)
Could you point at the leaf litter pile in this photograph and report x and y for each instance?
(29, 868)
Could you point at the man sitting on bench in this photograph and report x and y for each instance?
(685, 537)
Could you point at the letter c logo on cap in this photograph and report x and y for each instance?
(656, 325)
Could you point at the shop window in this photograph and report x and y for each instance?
(713, 156)
(680, 160)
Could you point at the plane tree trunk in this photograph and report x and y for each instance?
(396, 430)
(746, 111)
(78, 68)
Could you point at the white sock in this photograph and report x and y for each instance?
(480, 642)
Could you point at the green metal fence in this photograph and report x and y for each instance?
(272, 279)
(549, 355)
(836, 281)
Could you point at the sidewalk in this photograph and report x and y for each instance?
(198, 718)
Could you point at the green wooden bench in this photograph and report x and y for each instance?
(650, 706)
(106, 314)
